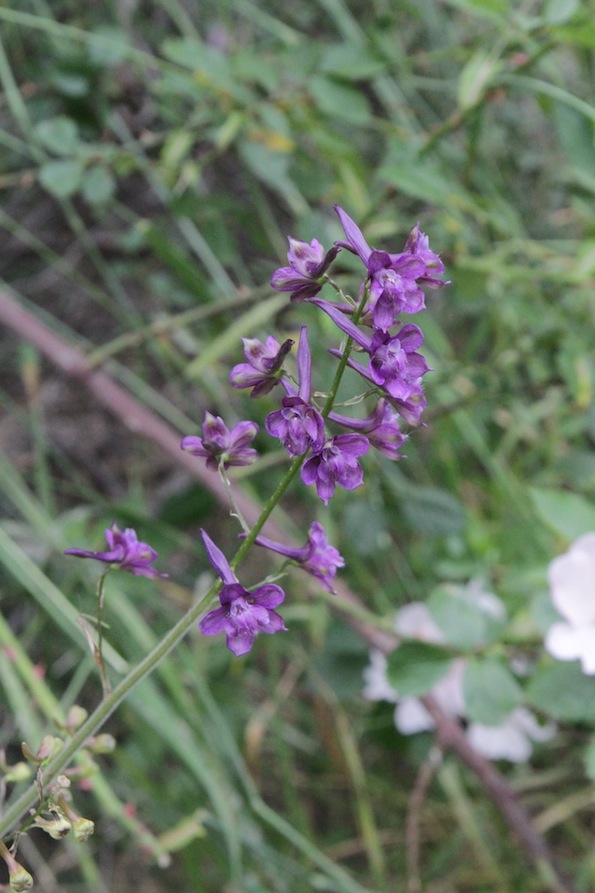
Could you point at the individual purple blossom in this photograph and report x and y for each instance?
(125, 551)
(393, 278)
(242, 614)
(298, 425)
(307, 264)
(317, 557)
(220, 446)
(419, 244)
(263, 368)
(395, 365)
(336, 463)
(381, 428)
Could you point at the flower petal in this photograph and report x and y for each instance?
(218, 560)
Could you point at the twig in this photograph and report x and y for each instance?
(144, 423)
(423, 781)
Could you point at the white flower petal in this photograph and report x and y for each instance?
(504, 742)
(566, 642)
(411, 716)
(448, 692)
(414, 621)
(376, 685)
(572, 581)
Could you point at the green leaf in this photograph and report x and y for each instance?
(433, 511)
(564, 693)
(61, 178)
(98, 185)
(415, 667)
(59, 135)
(212, 68)
(421, 180)
(69, 84)
(364, 524)
(340, 100)
(568, 514)
(108, 46)
(557, 12)
(491, 692)
(475, 78)
(352, 61)
(459, 615)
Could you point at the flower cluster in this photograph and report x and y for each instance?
(391, 285)
(510, 740)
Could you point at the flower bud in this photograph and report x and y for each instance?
(18, 772)
(76, 717)
(82, 829)
(19, 879)
(57, 827)
(104, 743)
(48, 748)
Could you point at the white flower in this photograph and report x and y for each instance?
(572, 589)
(511, 740)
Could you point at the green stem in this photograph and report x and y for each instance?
(268, 509)
(113, 699)
(332, 395)
(101, 714)
(99, 650)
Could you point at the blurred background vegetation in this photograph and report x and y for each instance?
(155, 155)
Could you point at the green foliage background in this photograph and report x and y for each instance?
(154, 157)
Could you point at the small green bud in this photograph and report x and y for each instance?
(82, 829)
(101, 744)
(18, 772)
(48, 748)
(19, 879)
(76, 717)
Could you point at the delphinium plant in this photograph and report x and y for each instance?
(324, 446)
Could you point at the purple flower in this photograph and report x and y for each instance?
(336, 463)
(242, 614)
(394, 364)
(263, 369)
(220, 446)
(317, 557)
(298, 425)
(125, 551)
(381, 428)
(307, 264)
(419, 244)
(394, 278)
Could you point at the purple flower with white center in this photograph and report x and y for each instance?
(317, 557)
(394, 364)
(298, 425)
(307, 264)
(263, 368)
(336, 463)
(220, 446)
(125, 551)
(242, 614)
(381, 428)
(393, 278)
